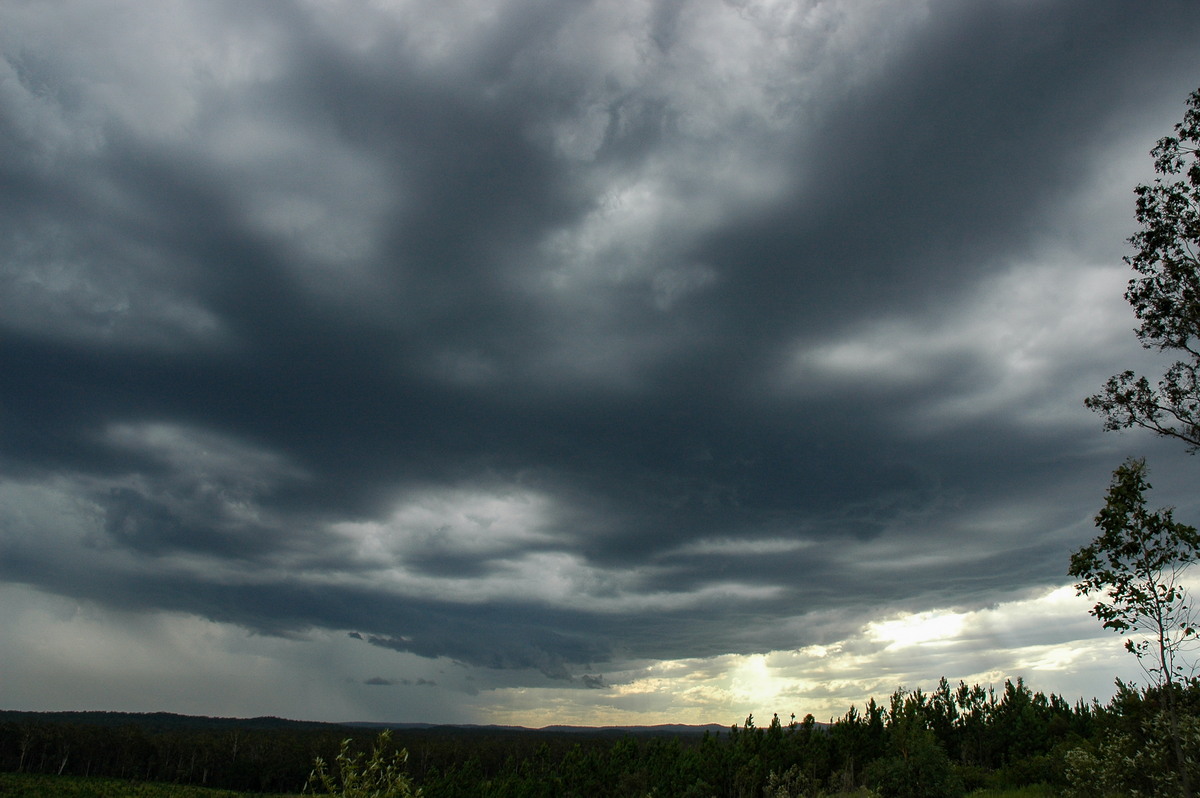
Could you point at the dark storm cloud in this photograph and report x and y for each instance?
(379, 681)
(368, 309)
(593, 682)
(944, 168)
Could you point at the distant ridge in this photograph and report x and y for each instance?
(662, 729)
(165, 721)
(160, 721)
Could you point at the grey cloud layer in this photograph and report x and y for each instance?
(283, 298)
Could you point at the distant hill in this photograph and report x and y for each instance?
(169, 721)
(672, 729)
(665, 729)
(160, 721)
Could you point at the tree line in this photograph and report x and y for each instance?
(938, 743)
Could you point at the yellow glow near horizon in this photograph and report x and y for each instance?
(1045, 637)
(751, 679)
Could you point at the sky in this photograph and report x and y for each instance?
(577, 361)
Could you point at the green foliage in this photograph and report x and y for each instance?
(1157, 759)
(1137, 564)
(381, 775)
(1138, 747)
(1103, 771)
(1166, 295)
(791, 783)
(917, 766)
(31, 785)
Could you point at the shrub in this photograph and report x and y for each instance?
(381, 775)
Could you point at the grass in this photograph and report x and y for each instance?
(31, 785)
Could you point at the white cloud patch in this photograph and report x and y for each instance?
(454, 522)
(147, 68)
(510, 537)
(733, 547)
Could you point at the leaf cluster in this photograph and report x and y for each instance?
(1165, 295)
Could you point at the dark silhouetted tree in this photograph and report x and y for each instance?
(1166, 293)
